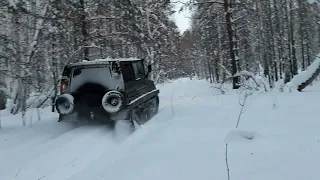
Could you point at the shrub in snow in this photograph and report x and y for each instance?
(253, 82)
(250, 84)
(65, 104)
(249, 81)
(219, 89)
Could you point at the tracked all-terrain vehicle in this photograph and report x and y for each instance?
(107, 90)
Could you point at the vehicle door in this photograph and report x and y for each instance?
(134, 79)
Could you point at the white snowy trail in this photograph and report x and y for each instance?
(52, 150)
(185, 140)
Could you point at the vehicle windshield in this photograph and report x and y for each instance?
(95, 74)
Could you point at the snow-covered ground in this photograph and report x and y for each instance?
(186, 140)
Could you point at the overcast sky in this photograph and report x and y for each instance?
(181, 18)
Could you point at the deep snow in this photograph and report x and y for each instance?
(186, 140)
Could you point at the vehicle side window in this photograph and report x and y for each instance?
(138, 70)
(127, 72)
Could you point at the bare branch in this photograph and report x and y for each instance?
(227, 163)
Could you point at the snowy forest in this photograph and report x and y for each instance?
(276, 39)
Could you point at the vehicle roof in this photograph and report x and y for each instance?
(103, 61)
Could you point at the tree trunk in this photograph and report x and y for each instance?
(272, 46)
(301, 32)
(292, 39)
(279, 45)
(228, 8)
(84, 31)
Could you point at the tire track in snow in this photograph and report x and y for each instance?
(147, 132)
(101, 169)
(68, 157)
(25, 136)
(47, 147)
(56, 165)
(28, 153)
(99, 144)
(110, 158)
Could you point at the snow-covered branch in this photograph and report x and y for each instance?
(248, 75)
